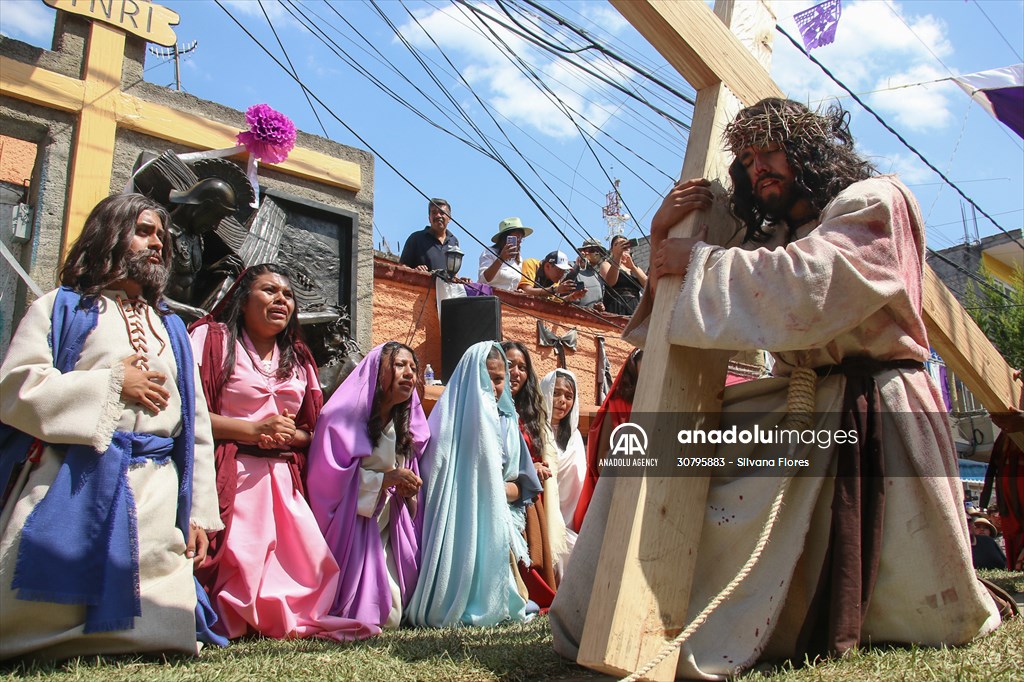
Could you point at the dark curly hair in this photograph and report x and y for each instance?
(529, 401)
(563, 432)
(99, 256)
(233, 317)
(818, 147)
(400, 413)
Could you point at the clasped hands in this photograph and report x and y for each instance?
(404, 482)
(275, 432)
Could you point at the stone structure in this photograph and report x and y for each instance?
(333, 210)
(998, 254)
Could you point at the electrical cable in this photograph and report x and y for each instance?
(606, 51)
(370, 147)
(292, 66)
(898, 136)
(554, 96)
(993, 24)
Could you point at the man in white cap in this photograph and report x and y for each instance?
(547, 278)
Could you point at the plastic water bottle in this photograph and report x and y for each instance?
(428, 376)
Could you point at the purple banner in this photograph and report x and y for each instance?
(818, 24)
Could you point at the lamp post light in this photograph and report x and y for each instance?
(453, 261)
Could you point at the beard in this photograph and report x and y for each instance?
(152, 277)
(776, 206)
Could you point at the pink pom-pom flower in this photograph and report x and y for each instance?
(271, 134)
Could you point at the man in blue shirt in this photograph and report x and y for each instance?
(425, 249)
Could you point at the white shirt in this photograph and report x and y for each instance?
(508, 275)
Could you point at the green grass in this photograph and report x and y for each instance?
(516, 653)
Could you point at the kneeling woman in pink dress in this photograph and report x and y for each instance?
(269, 572)
(364, 481)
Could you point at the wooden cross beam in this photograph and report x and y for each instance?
(640, 596)
(102, 107)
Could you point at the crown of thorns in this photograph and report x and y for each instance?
(777, 124)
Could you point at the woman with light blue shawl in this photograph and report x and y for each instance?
(477, 477)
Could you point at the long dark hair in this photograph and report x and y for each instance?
(98, 257)
(529, 401)
(563, 432)
(821, 155)
(400, 413)
(233, 317)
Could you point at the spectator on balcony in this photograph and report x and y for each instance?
(424, 250)
(624, 279)
(586, 273)
(548, 278)
(364, 481)
(501, 264)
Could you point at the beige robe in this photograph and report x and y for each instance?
(84, 407)
(849, 286)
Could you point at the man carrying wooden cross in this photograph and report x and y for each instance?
(870, 542)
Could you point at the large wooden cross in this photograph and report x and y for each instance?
(640, 596)
(102, 107)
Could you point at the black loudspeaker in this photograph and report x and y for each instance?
(465, 321)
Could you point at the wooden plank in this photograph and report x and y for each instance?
(705, 52)
(182, 127)
(641, 590)
(966, 350)
(149, 21)
(701, 49)
(39, 86)
(92, 153)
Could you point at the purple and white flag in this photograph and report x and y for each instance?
(818, 24)
(1001, 92)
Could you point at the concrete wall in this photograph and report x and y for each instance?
(52, 131)
(405, 309)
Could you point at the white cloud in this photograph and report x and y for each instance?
(920, 108)
(501, 83)
(28, 18)
(280, 17)
(252, 8)
(910, 168)
(608, 18)
(874, 48)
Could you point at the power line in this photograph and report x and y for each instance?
(971, 275)
(486, 108)
(290, 64)
(556, 99)
(369, 146)
(993, 24)
(898, 136)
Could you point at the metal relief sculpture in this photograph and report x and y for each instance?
(216, 234)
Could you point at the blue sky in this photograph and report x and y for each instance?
(880, 45)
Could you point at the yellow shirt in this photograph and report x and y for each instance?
(529, 271)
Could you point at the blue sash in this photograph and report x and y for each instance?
(80, 543)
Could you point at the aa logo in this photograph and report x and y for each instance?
(628, 440)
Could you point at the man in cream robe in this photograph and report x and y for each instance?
(834, 287)
(96, 406)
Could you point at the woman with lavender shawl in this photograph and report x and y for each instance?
(363, 480)
(478, 477)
